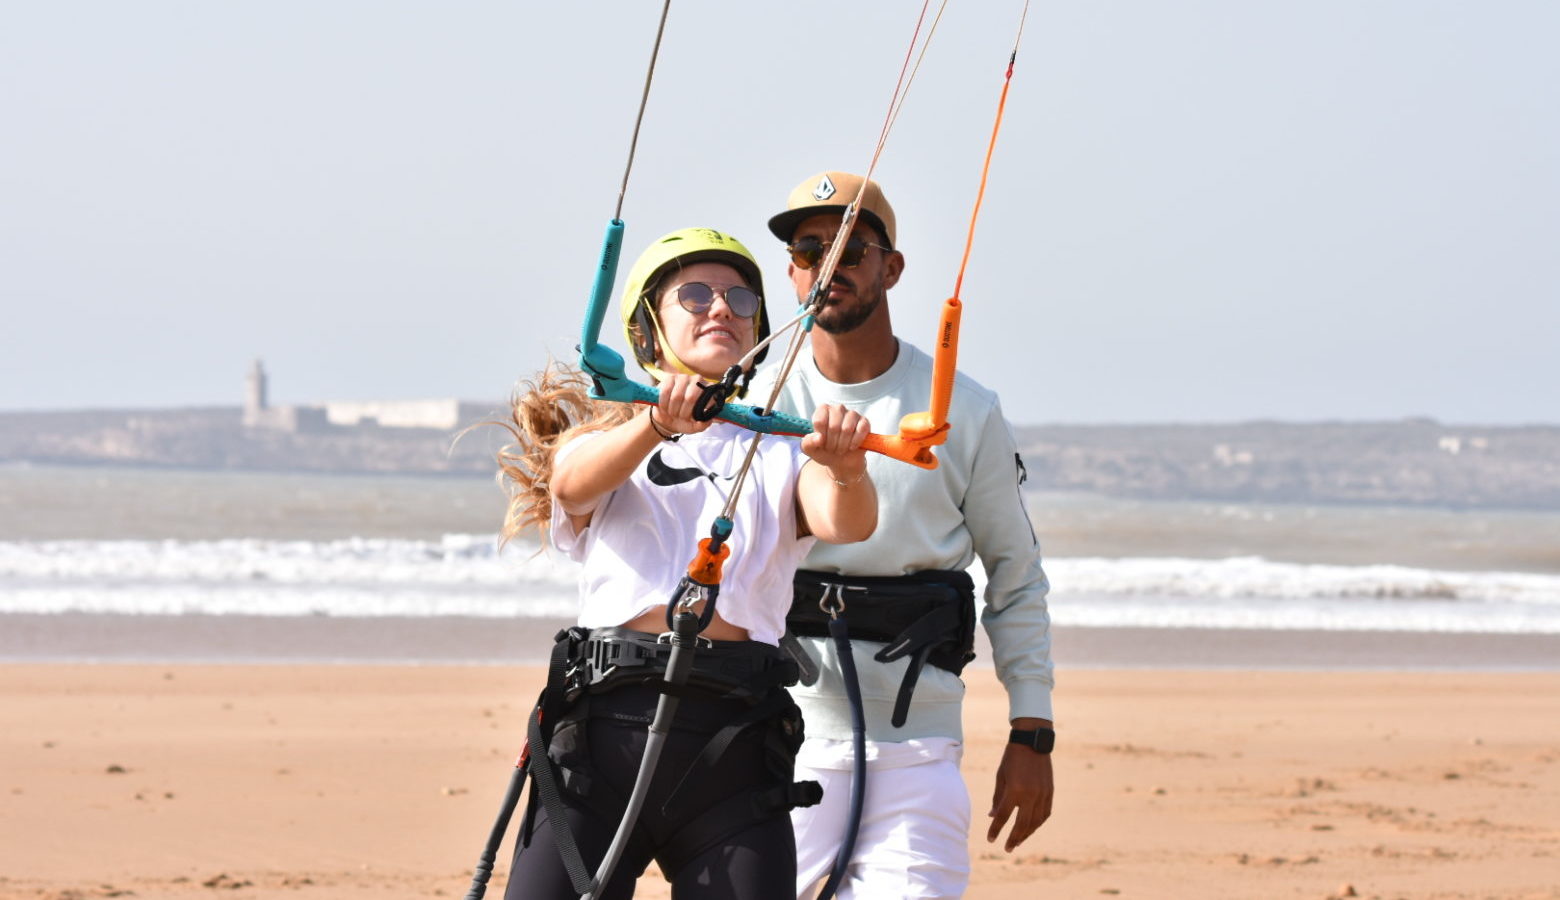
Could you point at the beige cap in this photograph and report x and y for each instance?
(832, 192)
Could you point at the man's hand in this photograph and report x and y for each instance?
(1023, 784)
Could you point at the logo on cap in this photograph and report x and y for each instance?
(824, 190)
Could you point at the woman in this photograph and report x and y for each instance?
(629, 493)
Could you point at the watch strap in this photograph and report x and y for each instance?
(1040, 740)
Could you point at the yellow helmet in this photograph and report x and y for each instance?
(681, 248)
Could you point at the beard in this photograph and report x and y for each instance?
(837, 319)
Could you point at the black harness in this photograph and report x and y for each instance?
(589, 662)
(928, 616)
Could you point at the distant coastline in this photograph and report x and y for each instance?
(1413, 462)
(1410, 462)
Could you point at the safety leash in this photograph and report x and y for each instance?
(839, 631)
(484, 869)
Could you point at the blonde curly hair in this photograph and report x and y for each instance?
(545, 413)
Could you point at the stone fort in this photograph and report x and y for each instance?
(444, 414)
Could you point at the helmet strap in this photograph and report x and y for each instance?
(664, 346)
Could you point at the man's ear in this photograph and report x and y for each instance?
(802, 287)
(893, 267)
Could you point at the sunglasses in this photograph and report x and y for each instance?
(808, 252)
(698, 297)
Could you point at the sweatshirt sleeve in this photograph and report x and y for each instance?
(1015, 615)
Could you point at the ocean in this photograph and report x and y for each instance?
(143, 564)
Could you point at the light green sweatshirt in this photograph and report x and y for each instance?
(969, 506)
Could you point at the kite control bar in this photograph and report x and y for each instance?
(918, 432)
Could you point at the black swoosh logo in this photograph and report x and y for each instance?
(667, 476)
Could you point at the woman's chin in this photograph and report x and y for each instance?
(713, 365)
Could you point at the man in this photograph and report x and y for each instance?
(913, 836)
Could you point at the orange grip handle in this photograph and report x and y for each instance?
(706, 566)
(894, 446)
(945, 364)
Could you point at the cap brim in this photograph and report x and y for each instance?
(784, 225)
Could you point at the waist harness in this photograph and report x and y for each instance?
(927, 616)
(609, 658)
(590, 662)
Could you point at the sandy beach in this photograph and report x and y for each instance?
(339, 781)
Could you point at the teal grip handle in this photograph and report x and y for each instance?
(602, 362)
(766, 423)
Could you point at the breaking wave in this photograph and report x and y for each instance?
(467, 575)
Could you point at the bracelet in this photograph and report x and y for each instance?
(665, 435)
(851, 483)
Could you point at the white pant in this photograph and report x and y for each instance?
(914, 838)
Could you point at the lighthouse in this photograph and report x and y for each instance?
(254, 396)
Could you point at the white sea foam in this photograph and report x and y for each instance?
(1243, 577)
(459, 575)
(467, 575)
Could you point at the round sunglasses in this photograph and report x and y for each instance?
(808, 252)
(699, 296)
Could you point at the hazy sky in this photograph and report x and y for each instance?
(1198, 209)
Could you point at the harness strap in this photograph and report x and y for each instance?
(616, 656)
(544, 774)
(907, 686)
(806, 666)
(917, 642)
(721, 741)
(794, 795)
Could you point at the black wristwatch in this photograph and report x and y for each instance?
(1041, 740)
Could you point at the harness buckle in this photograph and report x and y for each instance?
(605, 656)
(836, 608)
(665, 637)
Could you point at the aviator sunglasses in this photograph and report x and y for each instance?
(808, 252)
(698, 297)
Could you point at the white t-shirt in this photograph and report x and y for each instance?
(643, 535)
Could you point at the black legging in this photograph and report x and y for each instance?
(746, 861)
